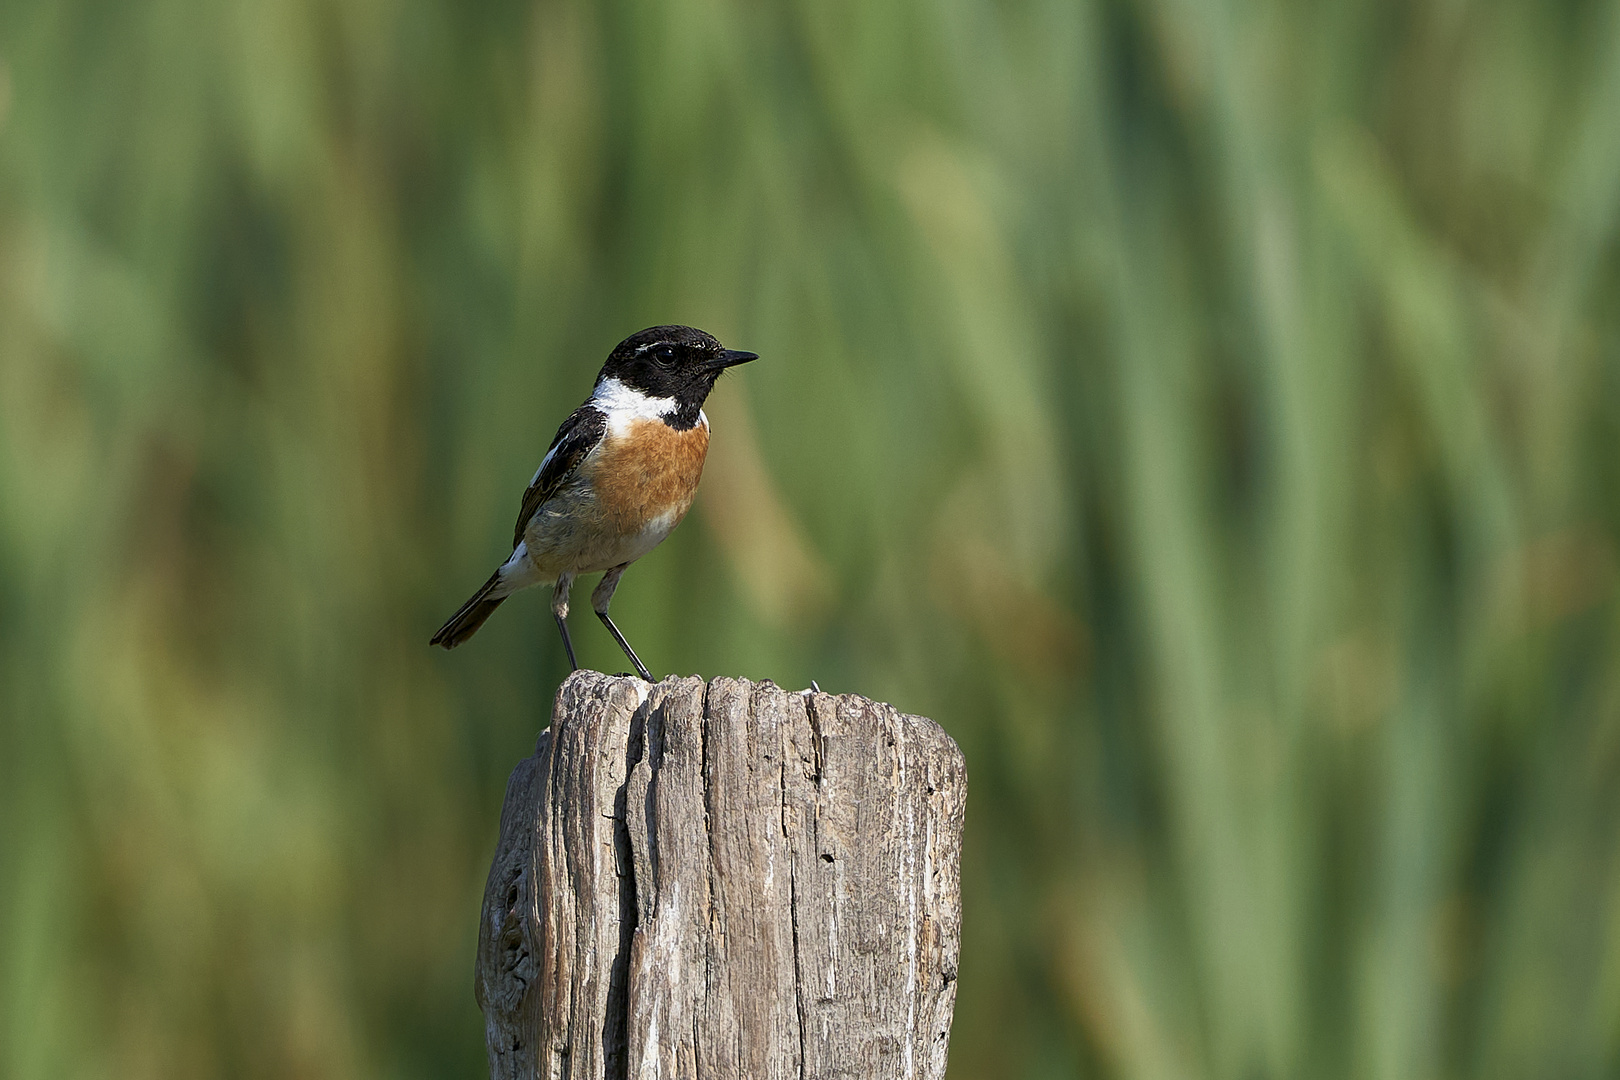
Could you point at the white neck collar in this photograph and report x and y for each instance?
(623, 402)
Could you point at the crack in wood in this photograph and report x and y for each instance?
(664, 851)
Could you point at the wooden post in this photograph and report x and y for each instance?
(724, 880)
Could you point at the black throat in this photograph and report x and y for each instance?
(685, 416)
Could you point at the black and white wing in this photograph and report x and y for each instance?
(580, 434)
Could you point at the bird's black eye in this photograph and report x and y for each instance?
(664, 355)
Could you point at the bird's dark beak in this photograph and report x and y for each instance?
(731, 358)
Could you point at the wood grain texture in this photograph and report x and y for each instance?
(724, 880)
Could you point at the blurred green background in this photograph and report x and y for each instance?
(1209, 412)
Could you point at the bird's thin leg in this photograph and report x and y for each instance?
(559, 611)
(601, 597)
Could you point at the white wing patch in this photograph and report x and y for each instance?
(543, 463)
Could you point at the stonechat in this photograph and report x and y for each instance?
(619, 475)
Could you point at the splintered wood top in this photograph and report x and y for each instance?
(724, 880)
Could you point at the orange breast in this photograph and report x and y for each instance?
(649, 471)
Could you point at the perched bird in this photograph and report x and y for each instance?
(619, 475)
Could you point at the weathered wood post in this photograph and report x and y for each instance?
(724, 880)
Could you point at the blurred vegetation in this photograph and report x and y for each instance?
(1208, 411)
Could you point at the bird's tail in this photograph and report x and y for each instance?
(466, 621)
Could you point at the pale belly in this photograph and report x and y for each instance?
(570, 533)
